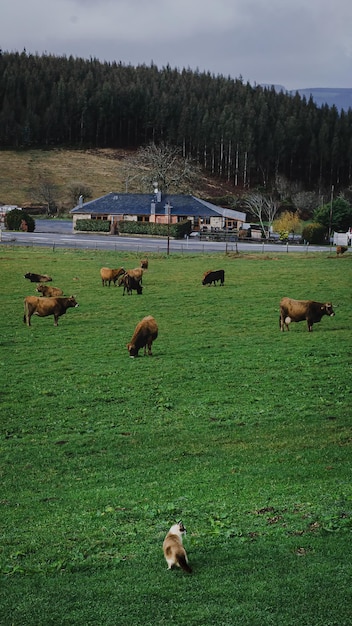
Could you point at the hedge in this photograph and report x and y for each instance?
(97, 226)
(177, 231)
(314, 233)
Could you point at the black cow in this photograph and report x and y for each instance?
(213, 276)
(38, 278)
(130, 284)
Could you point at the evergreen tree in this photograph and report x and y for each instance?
(250, 135)
(336, 215)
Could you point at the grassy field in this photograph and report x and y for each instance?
(239, 430)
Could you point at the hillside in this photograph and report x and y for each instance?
(236, 130)
(102, 170)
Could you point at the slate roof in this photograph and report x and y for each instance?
(140, 204)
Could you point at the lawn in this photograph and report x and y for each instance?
(239, 430)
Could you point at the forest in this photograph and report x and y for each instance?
(247, 135)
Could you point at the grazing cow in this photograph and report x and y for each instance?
(47, 306)
(300, 310)
(108, 275)
(49, 292)
(341, 250)
(144, 264)
(145, 333)
(129, 284)
(213, 277)
(38, 278)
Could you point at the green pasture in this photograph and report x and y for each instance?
(241, 431)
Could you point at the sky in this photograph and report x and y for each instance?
(298, 44)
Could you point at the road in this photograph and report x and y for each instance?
(58, 233)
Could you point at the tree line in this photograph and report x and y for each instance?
(248, 135)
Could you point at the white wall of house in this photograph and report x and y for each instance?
(217, 222)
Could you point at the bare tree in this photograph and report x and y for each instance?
(47, 193)
(305, 202)
(264, 209)
(76, 190)
(163, 164)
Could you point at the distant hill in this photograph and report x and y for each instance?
(340, 97)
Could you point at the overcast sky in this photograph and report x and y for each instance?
(294, 43)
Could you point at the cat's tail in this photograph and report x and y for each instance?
(182, 561)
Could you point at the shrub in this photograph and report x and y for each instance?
(178, 231)
(19, 220)
(314, 233)
(101, 226)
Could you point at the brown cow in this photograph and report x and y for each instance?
(213, 276)
(145, 333)
(108, 275)
(129, 284)
(144, 264)
(47, 306)
(300, 310)
(49, 292)
(341, 250)
(38, 278)
(137, 274)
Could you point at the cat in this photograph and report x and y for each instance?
(174, 552)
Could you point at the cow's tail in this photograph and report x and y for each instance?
(26, 317)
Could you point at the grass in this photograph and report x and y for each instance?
(240, 430)
(102, 170)
(21, 172)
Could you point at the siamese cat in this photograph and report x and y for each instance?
(174, 552)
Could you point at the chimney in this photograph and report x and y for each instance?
(80, 201)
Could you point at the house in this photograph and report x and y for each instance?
(158, 208)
